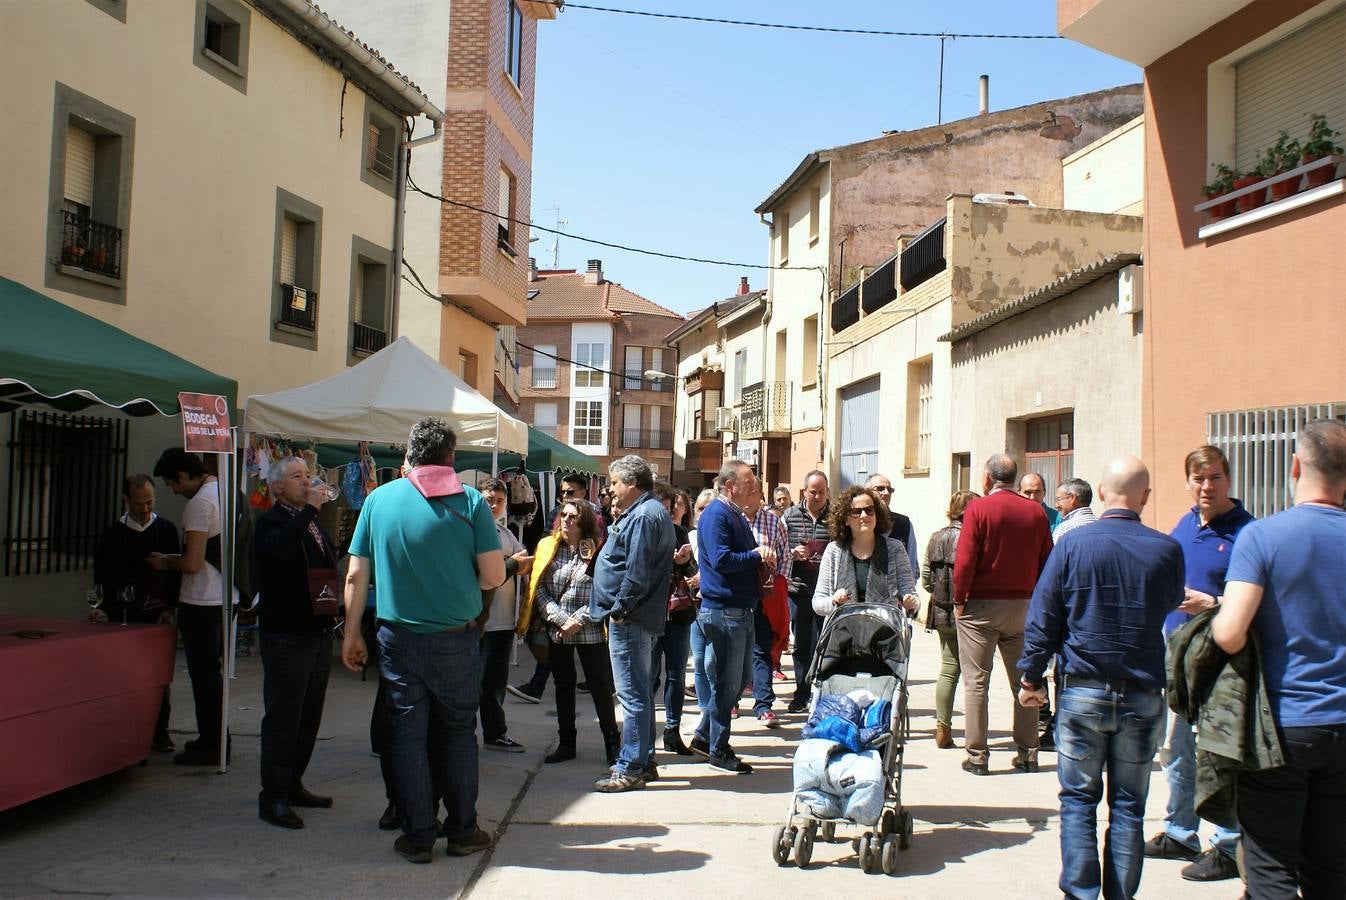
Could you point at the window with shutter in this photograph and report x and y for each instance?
(358, 301)
(289, 250)
(79, 154)
(1280, 87)
(505, 206)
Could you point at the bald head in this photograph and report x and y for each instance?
(1125, 484)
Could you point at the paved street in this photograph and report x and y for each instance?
(161, 830)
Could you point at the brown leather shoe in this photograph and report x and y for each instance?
(944, 737)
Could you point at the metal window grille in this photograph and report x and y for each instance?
(923, 257)
(544, 378)
(1259, 444)
(65, 473)
(379, 152)
(924, 408)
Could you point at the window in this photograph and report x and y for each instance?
(544, 366)
(631, 425)
(659, 439)
(379, 150)
(587, 426)
(782, 347)
(740, 370)
(961, 476)
(1050, 449)
(808, 377)
(544, 418)
(590, 355)
(815, 213)
(657, 365)
(294, 296)
(1259, 444)
(920, 414)
(513, 42)
(64, 481)
(635, 358)
(371, 299)
(783, 237)
(221, 46)
(89, 197)
(467, 367)
(504, 224)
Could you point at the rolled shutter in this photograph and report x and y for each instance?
(359, 292)
(1279, 87)
(289, 249)
(79, 152)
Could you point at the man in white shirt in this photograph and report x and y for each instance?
(200, 597)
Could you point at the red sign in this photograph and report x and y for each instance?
(205, 423)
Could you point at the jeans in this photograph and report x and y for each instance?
(807, 625)
(949, 670)
(495, 650)
(597, 671)
(699, 682)
(763, 694)
(631, 648)
(728, 633)
(1181, 823)
(295, 668)
(1112, 727)
(1293, 815)
(202, 643)
(440, 670)
(673, 647)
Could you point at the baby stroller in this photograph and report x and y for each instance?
(863, 647)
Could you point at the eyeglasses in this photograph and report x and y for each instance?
(856, 512)
(568, 492)
(566, 517)
(882, 490)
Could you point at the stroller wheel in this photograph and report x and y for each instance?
(866, 854)
(888, 854)
(886, 822)
(804, 845)
(829, 832)
(780, 846)
(908, 828)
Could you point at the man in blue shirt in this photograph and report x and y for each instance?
(630, 593)
(1100, 603)
(1286, 582)
(1207, 535)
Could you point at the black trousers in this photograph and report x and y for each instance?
(295, 668)
(495, 648)
(202, 644)
(1294, 818)
(598, 673)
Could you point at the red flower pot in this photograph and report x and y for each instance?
(1319, 176)
(1252, 200)
(1282, 189)
(1220, 211)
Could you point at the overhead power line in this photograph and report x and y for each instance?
(627, 376)
(819, 28)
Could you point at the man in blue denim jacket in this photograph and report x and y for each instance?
(1100, 603)
(630, 593)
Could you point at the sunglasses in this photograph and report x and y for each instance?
(566, 517)
(856, 512)
(882, 490)
(568, 492)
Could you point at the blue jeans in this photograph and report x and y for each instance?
(728, 633)
(442, 670)
(673, 648)
(1112, 727)
(699, 682)
(763, 694)
(631, 648)
(1182, 822)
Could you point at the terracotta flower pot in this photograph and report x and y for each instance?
(1282, 189)
(1252, 200)
(1319, 176)
(1221, 211)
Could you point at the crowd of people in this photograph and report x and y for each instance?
(1081, 608)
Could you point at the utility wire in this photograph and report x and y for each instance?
(581, 365)
(821, 28)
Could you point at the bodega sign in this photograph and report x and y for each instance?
(205, 423)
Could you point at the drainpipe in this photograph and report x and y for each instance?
(400, 218)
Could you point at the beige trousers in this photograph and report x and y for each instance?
(984, 627)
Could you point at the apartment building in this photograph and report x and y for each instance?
(1254, 290)
(594, 370)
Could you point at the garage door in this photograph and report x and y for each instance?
(859, 450)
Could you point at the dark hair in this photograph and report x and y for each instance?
(580, 481)
(816, 473)
(1079, 489)
(1002, 469)
(1321, 446)
(493, 484)
(662, 491)
(431, 443)
(841, 510)
(686, 505)
(1203, 456)
(588, 520)
(131, 482)
(176, 462)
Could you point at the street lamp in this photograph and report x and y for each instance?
(652, 375)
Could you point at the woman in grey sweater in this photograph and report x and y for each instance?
(862, 564)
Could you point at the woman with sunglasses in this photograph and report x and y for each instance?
(862, 564)
(559, 593)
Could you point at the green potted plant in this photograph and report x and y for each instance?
(1280, 157)
(1319, 144)
(1222, 184)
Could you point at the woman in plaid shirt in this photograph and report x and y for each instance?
(562, 582)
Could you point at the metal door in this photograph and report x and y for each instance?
(859, 448)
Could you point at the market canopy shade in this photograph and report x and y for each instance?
(379, 399)
(54, 354)
(545, 454)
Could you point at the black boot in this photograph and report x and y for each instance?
(563, 753)
(673, 742)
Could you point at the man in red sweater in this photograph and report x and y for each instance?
(1004, 545)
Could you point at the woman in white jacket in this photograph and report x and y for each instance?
(862, 564)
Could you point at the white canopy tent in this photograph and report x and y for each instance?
(379, 399)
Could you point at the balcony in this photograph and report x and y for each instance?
(846, 308)
(704, 380)
(544, 379)
(765, 411)
(880, 287)
(368, 339)
(636, 380)
(705, 456)
(923, 257)
(91, 246)
(298, 307)
(649, 439)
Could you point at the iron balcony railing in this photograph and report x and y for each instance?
(90, 245)
(765, 410)
(648, 438)
(636, 380)
(544, 378)
(880, 288)
(369, 339)
(298, 307)
(923, 257)
(846, 308)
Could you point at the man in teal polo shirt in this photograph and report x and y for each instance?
(431, 544)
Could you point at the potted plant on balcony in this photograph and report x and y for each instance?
(1319, 144)
(1280, 157)
(1222, 184)
(1250, 200)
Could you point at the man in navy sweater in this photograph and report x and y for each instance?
(729, 556)
(1100, 603)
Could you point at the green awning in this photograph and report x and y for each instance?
(54, 354)
(545, 454)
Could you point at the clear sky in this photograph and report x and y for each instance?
(666, 134)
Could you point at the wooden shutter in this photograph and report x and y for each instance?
(359, 292)
(79, 152)
(289, 249)
(1277, 88)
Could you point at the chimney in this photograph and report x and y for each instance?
(743, 286)
(595, 273)
(532, 268)
(985, 95)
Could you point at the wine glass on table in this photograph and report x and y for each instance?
(587, 548)
(126, 598)
(94, 597)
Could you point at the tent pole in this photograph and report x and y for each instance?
(228, 486)
(495, 462)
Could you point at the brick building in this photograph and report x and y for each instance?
(583, 357)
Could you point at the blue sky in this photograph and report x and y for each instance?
(666, 134)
